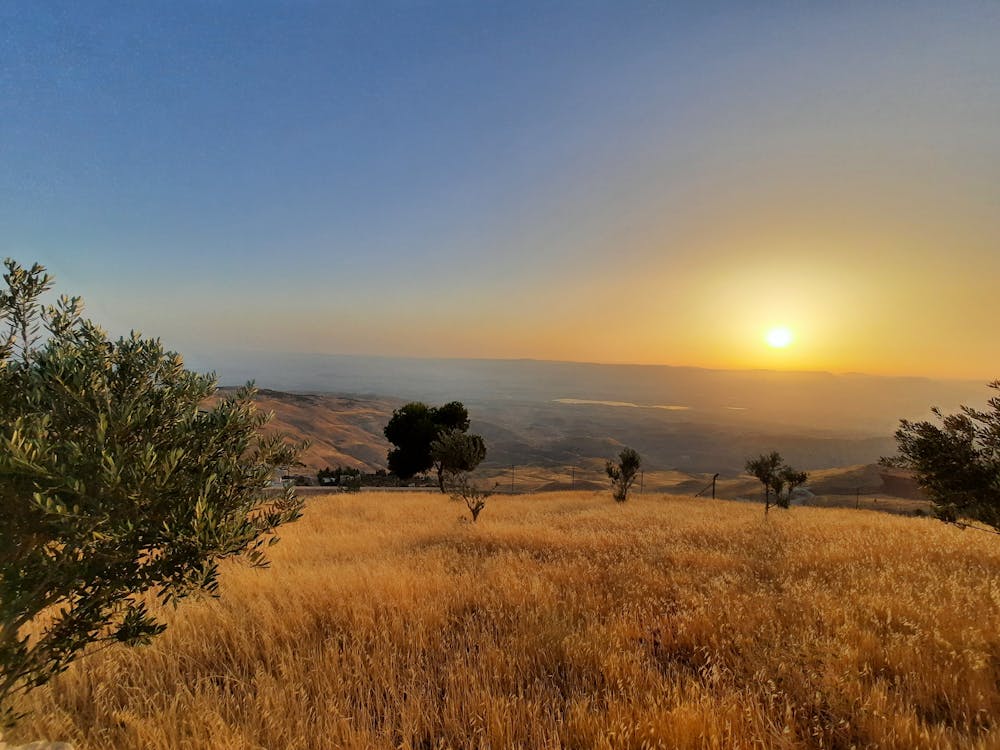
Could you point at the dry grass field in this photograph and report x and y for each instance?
(566, 621)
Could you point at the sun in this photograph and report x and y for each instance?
(779, 337)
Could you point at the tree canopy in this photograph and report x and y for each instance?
(777, 477)
(623, 473)
(415, 428)
(411, 430)
(957, 462)
(454, 452)
(117, 480)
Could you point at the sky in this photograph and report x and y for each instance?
(638, 182)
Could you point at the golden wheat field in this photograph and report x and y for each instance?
(566, 621)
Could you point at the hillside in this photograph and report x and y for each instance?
(565, 620)
(552, 452)
(347, 429)
(342, 430)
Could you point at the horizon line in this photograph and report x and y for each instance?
(589, 363)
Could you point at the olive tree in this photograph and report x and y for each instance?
(791, 479)
(462, 488)
(765, 468)
(623, 473)
(775, 476)
(456, 452)
(956, 462)
(118, 482)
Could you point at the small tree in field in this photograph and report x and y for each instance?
(461, 487)
(765, 467)
(956, 462)
(777, 487)
(776, 476)
(623, 473)
(792, 480)
(116, 482)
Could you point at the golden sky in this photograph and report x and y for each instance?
(627, 182)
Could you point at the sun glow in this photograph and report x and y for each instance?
(779, 338)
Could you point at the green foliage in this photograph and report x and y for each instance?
(451, 416)
(957, 462)
(462, 488)
(455, 452)
(777, 477)
(116, 482)
(792, 480)
(623, 473)
(413, 430)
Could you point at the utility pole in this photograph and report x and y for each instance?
(713, 485)
(512, 479)
(572, 481)
(857, 502)
(642, 481)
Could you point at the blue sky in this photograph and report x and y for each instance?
(478, 179)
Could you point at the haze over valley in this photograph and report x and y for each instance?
(560, 413)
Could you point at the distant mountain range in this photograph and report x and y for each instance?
(561, 414)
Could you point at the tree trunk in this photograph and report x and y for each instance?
(440, 473)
